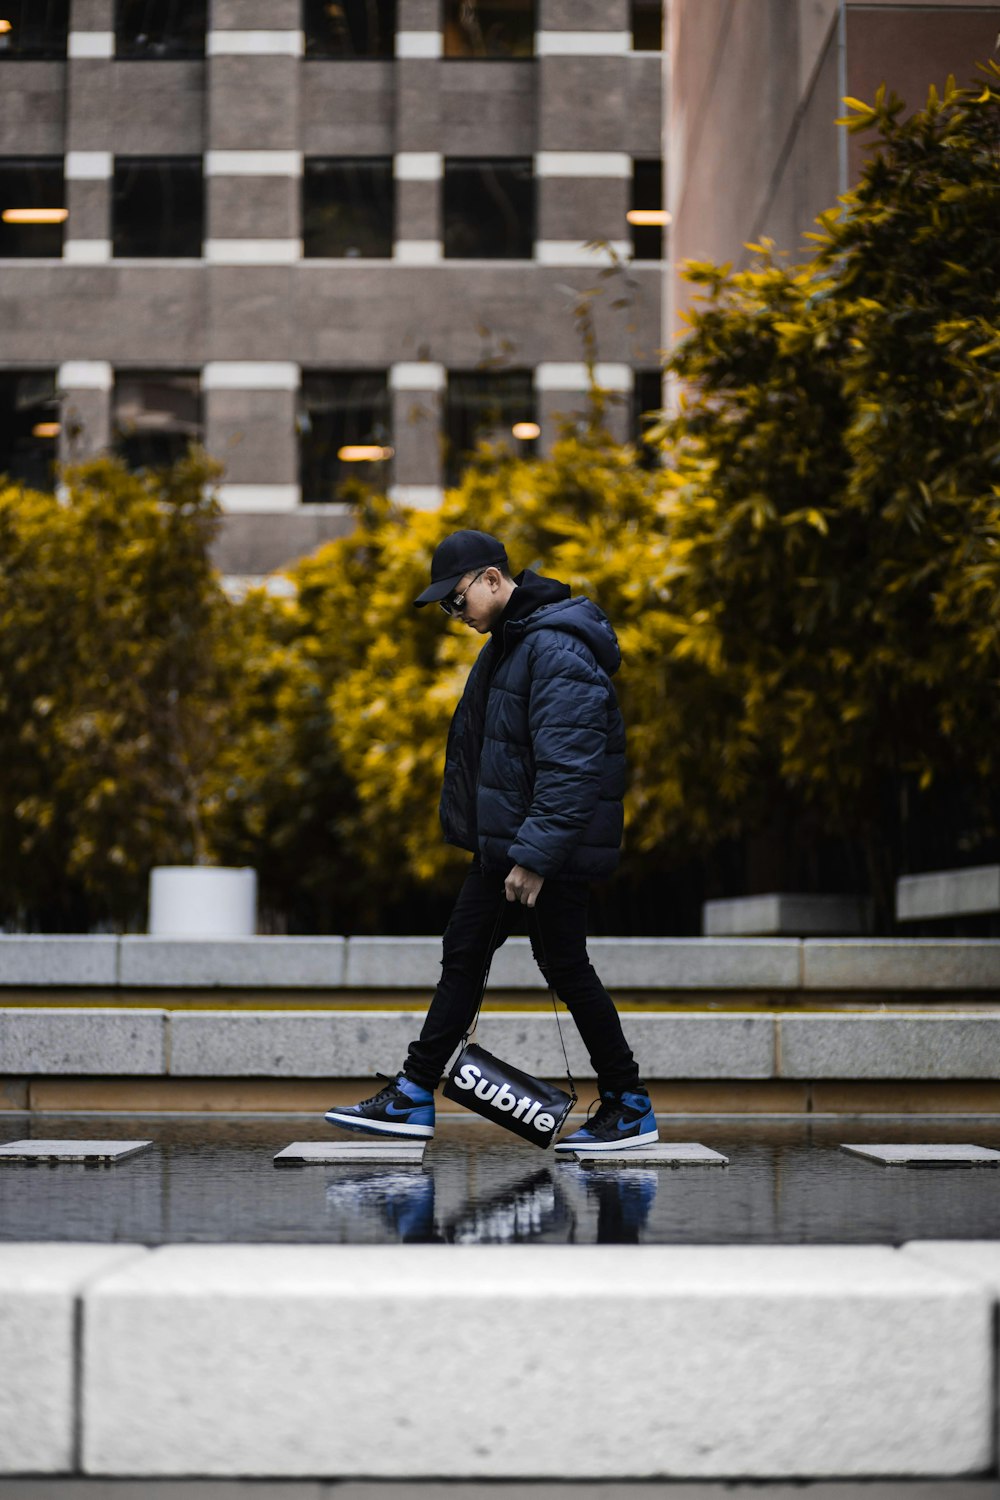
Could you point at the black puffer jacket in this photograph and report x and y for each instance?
(535, 766)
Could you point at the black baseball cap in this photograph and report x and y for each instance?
(460, 553)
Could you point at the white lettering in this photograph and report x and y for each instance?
(467, 1077)
(532, 1111)
(505, 1098)
(544, 1122)
(521, 1106)
(485, 1090)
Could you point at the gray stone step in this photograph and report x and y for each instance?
(663, 1154)
(340, 1153)
(37, 1151)
(927, 1155)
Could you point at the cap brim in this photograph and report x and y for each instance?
(439, 590)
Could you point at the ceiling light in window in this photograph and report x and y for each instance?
(657, 217)
(359, 453)
(35, 215)
(45, 429)
(4, 27)
(526, 430)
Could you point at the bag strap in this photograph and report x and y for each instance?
(486, 975)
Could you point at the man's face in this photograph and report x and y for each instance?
(483, 603)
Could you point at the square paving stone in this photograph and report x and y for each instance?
(339, 1153)
(663, 1154)
(36, 1151)
(927, 1155)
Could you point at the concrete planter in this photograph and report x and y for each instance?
(201, 901)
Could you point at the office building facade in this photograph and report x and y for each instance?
(329, 240)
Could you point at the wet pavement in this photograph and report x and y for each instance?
(213, 1180)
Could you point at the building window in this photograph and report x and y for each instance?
(646, 216)
(647, 25)
(29, 427)
(489, 209)
(33, 28)
(156, 415)
(647, 403)
(489, 28)
(344, 427)
(347, 206)
(158, 207)
(492, 406)
(156, 29)
(32, 206)
(349, 28)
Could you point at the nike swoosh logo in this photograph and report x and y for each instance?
(391, 1109)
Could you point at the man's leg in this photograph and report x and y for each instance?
(480, 922)
(559, 944)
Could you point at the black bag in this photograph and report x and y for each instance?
(530, 1108)
(534, 1110)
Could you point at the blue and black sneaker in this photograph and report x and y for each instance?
(402, 1108)
(623, 1119)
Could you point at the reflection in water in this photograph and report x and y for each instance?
(623, 1196)
(400, 1202)
(534, 1208)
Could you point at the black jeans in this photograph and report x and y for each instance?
(558, 930)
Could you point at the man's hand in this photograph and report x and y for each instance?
(523, 885)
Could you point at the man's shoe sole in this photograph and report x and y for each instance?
(649, 1138)
(377, 1127)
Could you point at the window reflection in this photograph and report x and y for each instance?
(344, 427)
(33, 28)
(485, 406)
(347, 206)
(489, 209)
(160, 28)
(489, 28)
(158, 206)
(156, 414)
(32, 206)
(29, 426)
(349, 28)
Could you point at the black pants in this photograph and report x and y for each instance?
(558, 930)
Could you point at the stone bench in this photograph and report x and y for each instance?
(948, 893)
(775, 1362)
(780, 915)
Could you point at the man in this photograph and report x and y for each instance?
(533, 784)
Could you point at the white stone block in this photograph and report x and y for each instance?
(901, 964)
(233, 963)
(290, 1044)
(348, 1153)
(785, 914)
(888, 1046)
(39, 1284)
(697, 963)
(36, 1151)
(776, 1361)
(927, 1155)
(948, 893)
(51, 960)
(99, 1040)
(392, 963)
(663, 1154)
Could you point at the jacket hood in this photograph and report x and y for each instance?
(578, 616)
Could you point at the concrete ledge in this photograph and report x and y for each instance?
(56, 960)
(856, 1046)
(901, 964)
(948, 893)
(244, 963)
(223, 1360)
(35, 1040)
(39, 1285)
(290, 1044)
(786, 914)
(731, 964)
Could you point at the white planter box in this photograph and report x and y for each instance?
(196, 901)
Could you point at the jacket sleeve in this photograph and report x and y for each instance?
(568, 726)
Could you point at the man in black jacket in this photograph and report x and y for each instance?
(533, 785)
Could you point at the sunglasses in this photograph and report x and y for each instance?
(455, 603)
